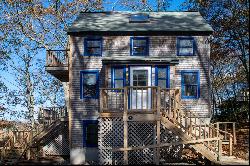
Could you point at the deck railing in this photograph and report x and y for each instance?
(57, 58)
(139, 98)
(111, 99)
(227, 130)
(48, 115)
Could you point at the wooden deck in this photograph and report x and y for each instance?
(164, 109)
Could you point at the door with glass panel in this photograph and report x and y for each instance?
(140, 94)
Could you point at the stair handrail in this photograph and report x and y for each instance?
(31, 141)
(210, 127)
(181, 113)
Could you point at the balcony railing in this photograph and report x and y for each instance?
(57, 58)
(138, 98)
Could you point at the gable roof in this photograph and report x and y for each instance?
(160, 23)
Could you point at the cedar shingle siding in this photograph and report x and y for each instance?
(164, 46)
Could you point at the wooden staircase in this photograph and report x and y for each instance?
(197, 145)
(205, 138)
(22, 147)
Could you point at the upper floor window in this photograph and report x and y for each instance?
(139, 46)
(162, 76)
(89, 84)
(90, 133)
(118, 77)
(185, 46)
(190, 84)
(93, 47)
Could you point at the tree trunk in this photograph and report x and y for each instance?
(66, 93)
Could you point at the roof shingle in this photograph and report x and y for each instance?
(159, 21)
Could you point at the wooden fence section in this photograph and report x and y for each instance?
(57, 58)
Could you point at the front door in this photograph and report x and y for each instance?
(140, 97)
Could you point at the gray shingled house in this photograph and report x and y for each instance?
(138, 87)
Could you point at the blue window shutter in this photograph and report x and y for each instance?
(167, 77)
(198, 79)
(131, 46)
(113, 78)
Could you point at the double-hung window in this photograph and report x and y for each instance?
(139, 46)
(93, 47)
(118, 77)
(185, 46)
(90, 133)
(162, 76)
(190, 84)
(89, 84)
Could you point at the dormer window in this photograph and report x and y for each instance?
(139, 46)
(139, 18)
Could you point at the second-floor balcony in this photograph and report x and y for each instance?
(57, 63)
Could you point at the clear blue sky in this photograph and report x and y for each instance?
(174, 4)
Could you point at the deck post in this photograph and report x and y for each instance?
(3, 153)
(101, 100)
(219, 149)
(225, 129)
(158, 125)
(125, 121)
(14, 136)
(186, 123)
(234, 134)
(230, 145)
(217, 127)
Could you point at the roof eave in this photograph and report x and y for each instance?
(139, 33)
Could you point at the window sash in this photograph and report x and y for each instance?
(184, 85)
(190, 86)
(180, 47)
(134, 45)
(83, 85)
(87, 47)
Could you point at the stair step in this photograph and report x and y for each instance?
(199, 148)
